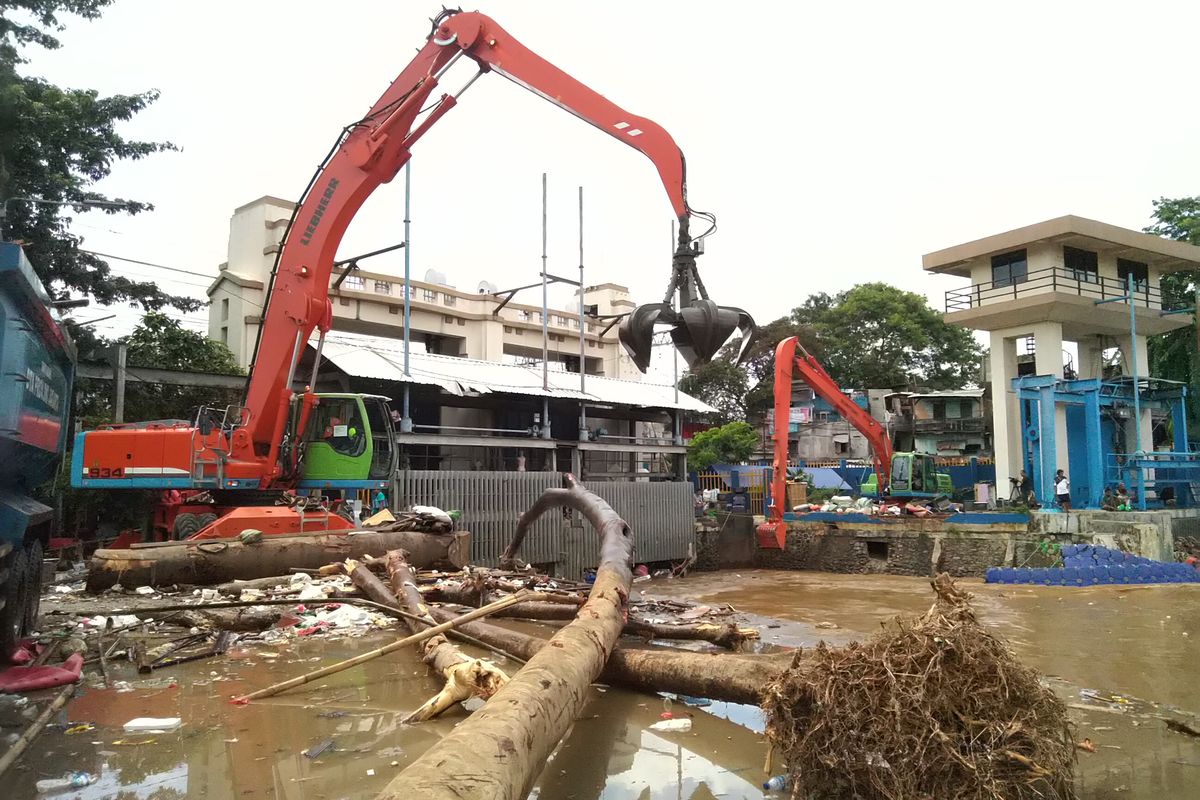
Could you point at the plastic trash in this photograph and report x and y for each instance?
(780, 783)
(681, 725)
(435, 512)
(74, 780)
(318, 748)
(143, 724)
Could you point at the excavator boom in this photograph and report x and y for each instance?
(792, 360)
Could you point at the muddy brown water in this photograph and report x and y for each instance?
(1140, 643)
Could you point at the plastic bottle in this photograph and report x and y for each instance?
(780, 783)
(74, 780)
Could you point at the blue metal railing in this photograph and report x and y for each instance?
(1155, 472)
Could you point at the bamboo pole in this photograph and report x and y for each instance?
(416, 638)
(35, 728)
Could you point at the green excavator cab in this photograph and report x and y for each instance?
(914, 475)
(349, 443)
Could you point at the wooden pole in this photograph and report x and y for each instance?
(416, 638)
(35, 728)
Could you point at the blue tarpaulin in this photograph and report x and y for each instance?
(826, 478)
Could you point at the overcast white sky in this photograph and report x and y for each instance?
(836, 142)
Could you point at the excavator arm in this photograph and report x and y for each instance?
(372, 150)
(792, 360)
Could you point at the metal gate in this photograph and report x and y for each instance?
(660, 514)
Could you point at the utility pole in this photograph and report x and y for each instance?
(122, 352)
(545, 325)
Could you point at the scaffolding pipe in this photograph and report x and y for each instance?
(545, 300)
(406, 416)
(583, 431)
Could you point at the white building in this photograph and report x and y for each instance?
(1036, 288)
(445, 320)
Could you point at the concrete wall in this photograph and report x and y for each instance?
(912, 547)
(1150, 534)
(926, 546)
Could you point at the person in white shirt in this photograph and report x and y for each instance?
(1062, 490)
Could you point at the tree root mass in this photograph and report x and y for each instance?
(932, 707)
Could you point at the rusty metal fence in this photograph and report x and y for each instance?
(660, 513)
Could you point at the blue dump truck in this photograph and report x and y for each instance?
(37, 362)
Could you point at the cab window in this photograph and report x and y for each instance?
(337, 422)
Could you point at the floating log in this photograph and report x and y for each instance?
(211, 561)
(737, 678)
(464, 676)
(723, 634)
(499, 750)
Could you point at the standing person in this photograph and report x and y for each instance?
(1026, 488)
(1062, 490)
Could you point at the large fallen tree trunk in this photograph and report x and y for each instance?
(500, 749)
(217, 561)
(724, 634)
(717, 676)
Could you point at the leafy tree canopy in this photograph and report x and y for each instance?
(1174, 355)
(728, 444)
(161, 342)
(722, 385)
(878, 336)
(55, 145)
(871, 336)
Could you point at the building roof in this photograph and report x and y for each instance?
(1166, 254)
(383, 359)
(948, 393)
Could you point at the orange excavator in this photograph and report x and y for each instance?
(897, 475)
(287, 436)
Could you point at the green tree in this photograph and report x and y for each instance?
(877, 336)
(722, 385)
(760, 361)
(55, 145)
(729, 444)
(161, 342)
(1174, 355)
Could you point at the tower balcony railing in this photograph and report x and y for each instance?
(1053, 279)
(950, 425)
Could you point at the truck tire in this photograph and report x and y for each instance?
(33, 598)
(12, 616)
(205, 520)
(185, 525)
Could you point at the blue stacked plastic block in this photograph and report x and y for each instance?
(1092, 565)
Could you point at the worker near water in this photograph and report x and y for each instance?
(1122, 497)
(1025, 487)
(1109, 501)
(1062, 490)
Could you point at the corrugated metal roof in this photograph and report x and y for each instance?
(383, 359)
(949, 393)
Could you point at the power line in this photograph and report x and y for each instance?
(150, 264)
